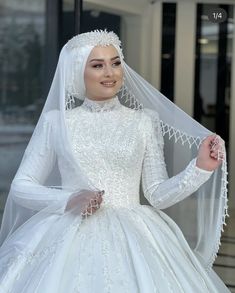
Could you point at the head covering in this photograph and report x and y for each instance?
(200, 216)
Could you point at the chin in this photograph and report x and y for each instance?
(109, 93)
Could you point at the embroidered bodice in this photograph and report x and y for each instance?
(107, 143)
(120, 149)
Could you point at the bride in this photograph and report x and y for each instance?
(73, 221)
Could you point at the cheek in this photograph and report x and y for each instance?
(90, 77)
(121, 71)
(120, 74)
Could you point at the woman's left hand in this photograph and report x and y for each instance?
(210, 153)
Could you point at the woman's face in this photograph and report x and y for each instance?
(103, 73)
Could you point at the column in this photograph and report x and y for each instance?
(185, 55)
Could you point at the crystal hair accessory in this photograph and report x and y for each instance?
(94, 38)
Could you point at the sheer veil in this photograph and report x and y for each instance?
(200, 216)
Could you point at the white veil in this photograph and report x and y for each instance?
(200, 216)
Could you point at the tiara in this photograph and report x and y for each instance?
(94, 38)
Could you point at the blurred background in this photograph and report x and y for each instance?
(184, 48)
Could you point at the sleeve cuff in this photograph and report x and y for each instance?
(203, 171)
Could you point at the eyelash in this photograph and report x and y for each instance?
(97, 66)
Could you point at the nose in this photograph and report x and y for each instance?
(108, 71)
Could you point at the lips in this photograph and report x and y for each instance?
(108, 83)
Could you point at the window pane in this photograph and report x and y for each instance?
(22, 30)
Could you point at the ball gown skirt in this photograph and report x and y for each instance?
(117, 249)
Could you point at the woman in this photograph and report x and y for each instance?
(90, 233)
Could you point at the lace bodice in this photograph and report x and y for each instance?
(118, 148)
(107, 142)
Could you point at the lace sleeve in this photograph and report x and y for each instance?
(160, 190)
(27, 187)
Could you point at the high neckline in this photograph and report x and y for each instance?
(102, 105)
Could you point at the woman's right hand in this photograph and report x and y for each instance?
(85, 202)
(94, 204)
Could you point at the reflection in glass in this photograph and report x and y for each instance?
(22, 27)
(213, 67)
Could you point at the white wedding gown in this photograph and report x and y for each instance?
(124, 246)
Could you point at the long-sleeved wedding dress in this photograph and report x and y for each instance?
(124, 246)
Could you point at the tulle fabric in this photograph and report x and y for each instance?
(115, 250)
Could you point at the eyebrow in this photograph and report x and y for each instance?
(103, 59)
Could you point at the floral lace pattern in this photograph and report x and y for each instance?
(102, 105)
(106, 142)
(116, 146)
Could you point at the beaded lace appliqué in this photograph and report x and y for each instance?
(101, 106)
(94, 38)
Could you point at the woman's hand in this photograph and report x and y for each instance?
(85, 202)
(211, 153)
(94, 204)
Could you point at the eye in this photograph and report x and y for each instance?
(97, 65)
(117, 63)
